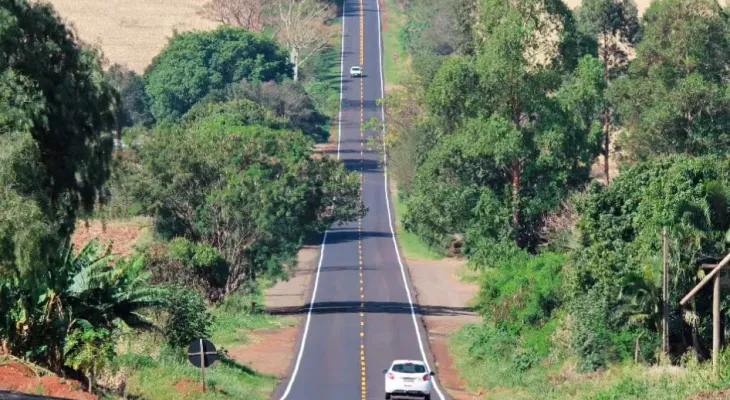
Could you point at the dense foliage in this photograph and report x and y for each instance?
(252, 192)
(492, 143)
(674, 97)
(618, 266)
(512, 148)
(195, 63)
(217, 150)
(55, 114)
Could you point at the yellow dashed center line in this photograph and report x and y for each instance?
(363, 384)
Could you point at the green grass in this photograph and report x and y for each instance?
(154, 371)
(395, 71)
(413, 247)
(233, 319)
(499, 379)
(172, 379)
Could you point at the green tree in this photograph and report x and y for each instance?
(54, 91)
(252, 192)
(674, 98)
(195, 63)
(614, 25)
(518, 121)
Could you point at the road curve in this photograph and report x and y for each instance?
(360, 316)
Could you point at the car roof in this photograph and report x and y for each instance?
(355, 66)
(408, 362)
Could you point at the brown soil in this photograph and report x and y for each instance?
(439, 289)
(21, 378)
(122, 235)
(711, 395)
(270, 351)
(131, 32)
(187, 387)
(383, 15)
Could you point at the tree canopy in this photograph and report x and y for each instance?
(195, 63)
(62, 103)
(251, 191)
(674, 97)
(520, 123)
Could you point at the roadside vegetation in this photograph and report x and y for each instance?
(491, 142)
(211, 148)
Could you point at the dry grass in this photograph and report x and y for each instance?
(131, 32)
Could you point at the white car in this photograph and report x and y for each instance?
(355, 71)
(408, 378)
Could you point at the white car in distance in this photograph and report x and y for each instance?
(356, 71)
(407, 378)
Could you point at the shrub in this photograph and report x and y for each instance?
(203, 259)
(522, 290)
(187, 318)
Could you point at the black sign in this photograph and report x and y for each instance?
(209, 354)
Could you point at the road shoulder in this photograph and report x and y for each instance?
(444, 301)
(271, 351)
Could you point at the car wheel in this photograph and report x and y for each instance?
(387, 396)
(427, 397)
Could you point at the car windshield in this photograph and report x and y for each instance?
(409, 368)
(355, 68)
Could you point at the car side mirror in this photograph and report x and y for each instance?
(432, 373)
(385, 371)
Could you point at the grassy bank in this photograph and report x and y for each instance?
(155, 372)
(479, 363)
(411, 245)
(393, 20)
(169, 378)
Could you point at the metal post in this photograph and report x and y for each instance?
(202, 362)
(715, 323)
(665, 294)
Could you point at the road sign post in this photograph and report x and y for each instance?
(202, 354)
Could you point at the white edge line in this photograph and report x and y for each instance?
(390, 218)
(324, 238)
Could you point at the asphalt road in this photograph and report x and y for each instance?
(359, 318)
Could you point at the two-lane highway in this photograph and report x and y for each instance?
(360, 316)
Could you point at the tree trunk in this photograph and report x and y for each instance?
(606, 142)
(606, 117)
(294, 58)
(516, 165)
(91, 380)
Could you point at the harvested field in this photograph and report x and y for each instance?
(131, 32)
(122, 235)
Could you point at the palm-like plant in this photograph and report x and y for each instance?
(85, 289)
(100, 292)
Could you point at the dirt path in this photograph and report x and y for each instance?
(444, 300)
(270, 351)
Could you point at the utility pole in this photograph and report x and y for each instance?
(665, 294)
